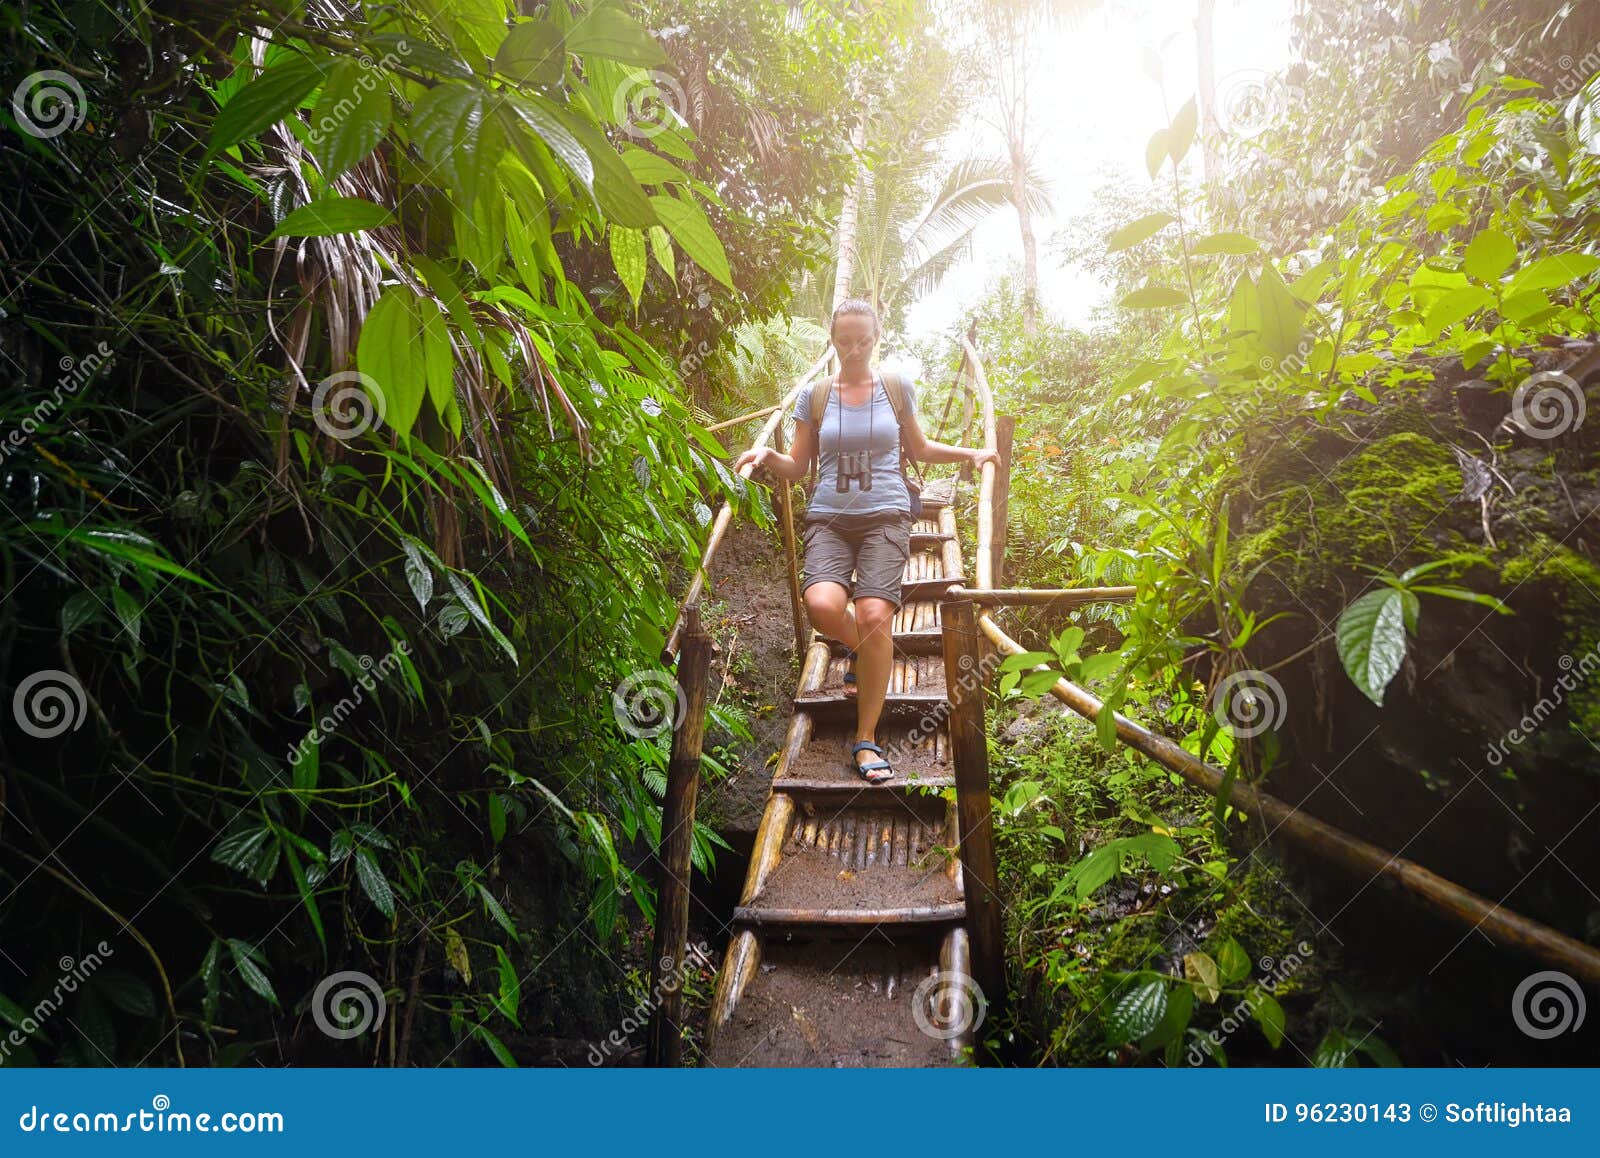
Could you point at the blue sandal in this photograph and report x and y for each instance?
(876, 772)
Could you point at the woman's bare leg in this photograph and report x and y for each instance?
(828, 605)
(874, 621)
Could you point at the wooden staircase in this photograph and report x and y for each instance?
(849, 947)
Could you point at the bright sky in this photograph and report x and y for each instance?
(1093, 112)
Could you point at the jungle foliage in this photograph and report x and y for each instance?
(348, 355)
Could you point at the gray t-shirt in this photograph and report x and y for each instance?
(850, 430)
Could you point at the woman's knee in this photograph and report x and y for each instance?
(874, 614)
(825, 601)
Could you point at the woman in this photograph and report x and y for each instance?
(858, 517)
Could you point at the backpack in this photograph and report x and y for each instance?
(894, 387)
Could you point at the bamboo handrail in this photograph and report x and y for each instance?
(751, 417)
(1434, 892)
(1029, 596)
(719, 527)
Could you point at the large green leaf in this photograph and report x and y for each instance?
(1136, 231)
(1137, 1011)
(1456, 306)
(628, 256)
(547, 122)
(1552, 273)
(689, 228)
(350, 116)
(1154, 297)
(1489, 255)
(461, 142)
(438, 359)
(1282, 315)
(329, 215)
(389, 353)
(532, 53)
(607, 31)
(265, 101)
(1371, 639)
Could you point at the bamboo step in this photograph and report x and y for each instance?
(800, 785)
(924, 540)
(923, 589)
(903, 705)
(920, 753)
(819, 920)
(834, 1003)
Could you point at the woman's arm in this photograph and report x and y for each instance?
(792, 466)
(924, 449)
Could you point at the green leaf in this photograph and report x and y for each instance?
(350, 117)
(1137, 1011)
(606, 31)
(249, 971)
(1026, 660)
(1489, 255)
(126, 991)
(1154, 297)
(533, 52)
(373, 882)
(1180, 1006)
(128, 546)
(418, 574)
(1156, 151)
(493, 908)
(1183, 131)
(1233, 963)
(1136, 231)
(1456, 306)
(438, 359)
(1551, 273)
(510, 995)
(265, 101)
(1371, 640)
(628, 256)
(330, 215)
(1105, 727)
(1333, 1051)
(1281, 314)
(554, 128)
(1269, 1016)
(389, 353)
(129, 613)
(496, 1047)
(1202, 973)
(661, 250)
(453, 128)
(689, 227)
(1232, 243)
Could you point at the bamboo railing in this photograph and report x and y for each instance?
(1418, 884)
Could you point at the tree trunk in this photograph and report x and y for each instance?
(849, 215)
(1030, 247)
(1206, 71)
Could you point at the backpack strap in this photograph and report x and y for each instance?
(821, 391)
(895, 387)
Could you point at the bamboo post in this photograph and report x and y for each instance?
(665, 1043)
(963, 675)
(1004, 427)
(783, 495)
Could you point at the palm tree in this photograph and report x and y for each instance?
(908, 243)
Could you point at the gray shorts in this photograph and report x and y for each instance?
(865, 554)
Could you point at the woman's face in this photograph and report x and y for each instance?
(854, 335)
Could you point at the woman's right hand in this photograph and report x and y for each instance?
(751, 458)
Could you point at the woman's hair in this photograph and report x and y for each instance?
(852, 306)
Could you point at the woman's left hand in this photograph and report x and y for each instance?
(979, 457)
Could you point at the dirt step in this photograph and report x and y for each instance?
(840, 1004)
(853, 860)
(918, 752)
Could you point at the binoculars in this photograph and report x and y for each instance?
(857, 467)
